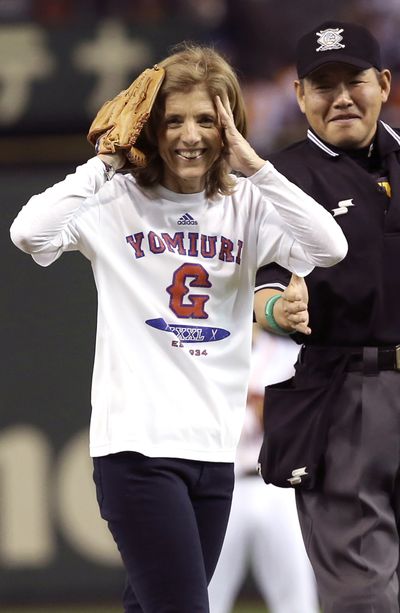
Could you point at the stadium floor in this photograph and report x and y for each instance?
(239, 608)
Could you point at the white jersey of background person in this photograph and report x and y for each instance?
(169, 382)
(263, 532)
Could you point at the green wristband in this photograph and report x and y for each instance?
(269, 316)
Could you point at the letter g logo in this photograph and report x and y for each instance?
(194, 306)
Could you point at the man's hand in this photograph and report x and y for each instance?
(291, 311)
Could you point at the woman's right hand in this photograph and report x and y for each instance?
(239, 153)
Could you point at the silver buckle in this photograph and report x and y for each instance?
(397, 349)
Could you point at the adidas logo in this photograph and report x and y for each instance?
(187, 220)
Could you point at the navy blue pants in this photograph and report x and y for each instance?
(168, 518)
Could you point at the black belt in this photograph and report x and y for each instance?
(387, 358)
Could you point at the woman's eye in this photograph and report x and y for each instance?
(172, 122)
(208, 122)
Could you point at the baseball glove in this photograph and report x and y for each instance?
(119, 122)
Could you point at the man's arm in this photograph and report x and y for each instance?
(283, 312)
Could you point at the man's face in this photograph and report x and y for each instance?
(342, 104)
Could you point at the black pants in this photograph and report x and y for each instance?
(168, 518)
(350, 523)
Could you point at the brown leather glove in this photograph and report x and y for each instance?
(119, 122)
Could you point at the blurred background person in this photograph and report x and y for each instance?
(263, 535)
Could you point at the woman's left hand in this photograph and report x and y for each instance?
(239, 154)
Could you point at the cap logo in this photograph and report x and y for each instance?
(330, 39)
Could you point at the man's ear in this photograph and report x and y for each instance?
(385, 79)
(299, 90)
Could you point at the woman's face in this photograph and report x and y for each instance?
(189, 140)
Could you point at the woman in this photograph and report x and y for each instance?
(174, 248)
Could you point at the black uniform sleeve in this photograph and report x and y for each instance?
(272, 276)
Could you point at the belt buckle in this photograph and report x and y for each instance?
(397, 350)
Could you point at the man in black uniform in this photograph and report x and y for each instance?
(350, 162)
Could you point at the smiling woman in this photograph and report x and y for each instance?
(175, 307)
(184, 122)
(189, 140)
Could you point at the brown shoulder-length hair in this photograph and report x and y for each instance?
(190, 65)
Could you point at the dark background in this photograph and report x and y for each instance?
(59, 60)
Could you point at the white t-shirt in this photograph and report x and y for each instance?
(175, 278)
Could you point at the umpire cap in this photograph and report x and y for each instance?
(336, 41)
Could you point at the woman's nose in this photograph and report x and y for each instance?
(190, 132)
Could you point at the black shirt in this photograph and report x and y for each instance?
(356, 302)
